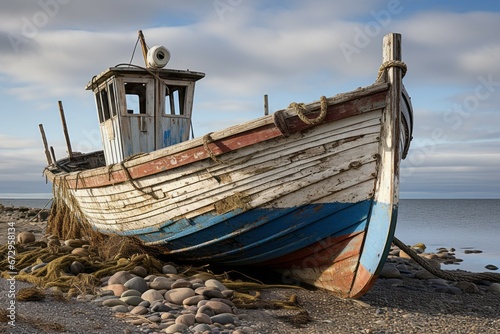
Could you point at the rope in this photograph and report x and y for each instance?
(207, 139)
(41, 210)
(131, 180)
(391, 63)
(299, 108)
(446, 274)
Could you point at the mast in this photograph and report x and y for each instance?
(144, 47)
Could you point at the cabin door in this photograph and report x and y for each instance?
(137, 116)
(173, 122)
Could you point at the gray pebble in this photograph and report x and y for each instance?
(186, 319)
(494, 287)
(132, 300)
(137, 283)
(219, 307)
(215, 284)
(152, 295)
(178, 295)
(139, 310)
(120, 309)
(176, 328)
(114, 302)
(169, 269)
(120, 277)
(160, 283)
(223, 318)
(76, 267)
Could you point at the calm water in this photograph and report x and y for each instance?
(456, 223)
(27, 202)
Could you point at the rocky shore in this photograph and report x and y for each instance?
(175, 299)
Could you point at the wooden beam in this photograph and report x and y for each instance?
(65, 129)
(45, 145)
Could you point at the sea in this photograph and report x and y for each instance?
(451, 223)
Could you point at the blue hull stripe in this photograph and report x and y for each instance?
(256, 235)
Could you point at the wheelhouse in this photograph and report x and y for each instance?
(141, 110)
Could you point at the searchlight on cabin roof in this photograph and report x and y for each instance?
(157, 56)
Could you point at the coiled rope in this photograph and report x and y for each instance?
(300, 108)
(391, 63)
(446, 274)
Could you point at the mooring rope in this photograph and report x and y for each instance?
(206, 140)
(446, 274)
(391, 63)
(299, 108)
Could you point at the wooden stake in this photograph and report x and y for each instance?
(65, 129)
(266, 105)
(53, 154)
(45, 145)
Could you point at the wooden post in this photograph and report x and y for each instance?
(266, 105)
(65, 129)
(45, 145)
(53, 154)
(144, 47)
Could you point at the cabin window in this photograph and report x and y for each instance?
(175, 97)
(135, 93)
(112, 100)
(102, 105)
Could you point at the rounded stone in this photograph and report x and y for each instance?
(213, 283)
(120, 277)
(202, 328)
(132, 300)
(113, 302)
(219, 307)
(120, 309)
(76, 267)
(160, 307)
(228, 294)
(178, 295)
(212, 293)
(139, 310)
(494, 287)
(223, 318)
(467, 287)
(117, 289)
(26, 237)
(160, 283)
(491, 267)
(186, 319)
(151, 295)
(169, 269)
(193, 300)
(203, 318)
(80, 252)
(424, 274)
(131, 292)
(137, 283)
(181, 283)
(74, 243)
(176, 328)
(390, 272)
(140, 271)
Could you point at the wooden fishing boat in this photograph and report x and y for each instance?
(310, 190)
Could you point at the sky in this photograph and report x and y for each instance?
(294, 51)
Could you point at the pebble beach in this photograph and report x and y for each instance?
(405, 299)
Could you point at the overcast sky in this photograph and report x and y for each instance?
(290, 50)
